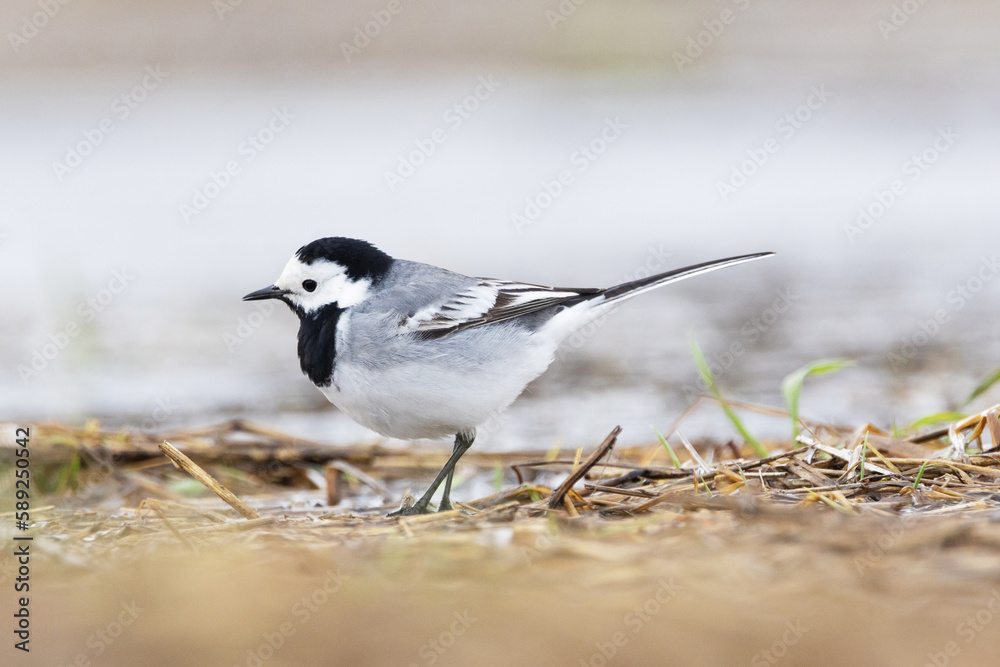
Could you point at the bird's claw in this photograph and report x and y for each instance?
(412, 510)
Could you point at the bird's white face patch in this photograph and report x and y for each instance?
(332, 285)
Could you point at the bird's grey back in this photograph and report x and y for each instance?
(411, 286)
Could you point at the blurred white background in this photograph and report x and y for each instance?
(119, 122)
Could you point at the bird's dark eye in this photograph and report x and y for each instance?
(309, 285)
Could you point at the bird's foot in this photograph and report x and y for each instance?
(412, 510)
(445, 506)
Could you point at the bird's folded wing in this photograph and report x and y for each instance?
(485, 302)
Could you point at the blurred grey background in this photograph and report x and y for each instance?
(161, 159)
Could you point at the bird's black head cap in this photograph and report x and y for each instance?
(360, 259)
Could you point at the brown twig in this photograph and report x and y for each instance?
(557, 496)
(637, 493)
(182, 462)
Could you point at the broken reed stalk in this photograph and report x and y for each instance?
(182, 462)
(910, 474)
(556, 500)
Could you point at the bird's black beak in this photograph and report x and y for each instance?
(271, 292)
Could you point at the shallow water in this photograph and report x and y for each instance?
(139, 308)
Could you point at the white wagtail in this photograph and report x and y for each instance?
(411, 350)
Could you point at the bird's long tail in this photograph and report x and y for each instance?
(592, 304)
(636, 287)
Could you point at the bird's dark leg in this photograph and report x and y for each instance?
(463, 440)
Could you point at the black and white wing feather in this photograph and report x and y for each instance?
(486, 302)
(489, 300)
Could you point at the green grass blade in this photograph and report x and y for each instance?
(666, 446)
(791, 386)
(920, 475)
(68, 474)
(706, 375)
(703, 482)
(864, 452)
(936, 418)
(984, 386)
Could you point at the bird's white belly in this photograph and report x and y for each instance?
(427, 400)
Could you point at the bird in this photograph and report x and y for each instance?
(410, 350)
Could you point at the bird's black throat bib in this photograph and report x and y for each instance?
(318, 343)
